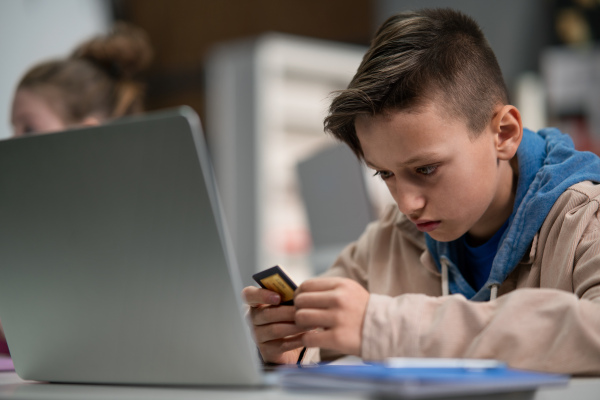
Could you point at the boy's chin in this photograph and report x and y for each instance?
(444, 236)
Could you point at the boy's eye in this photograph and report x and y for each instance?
(427, 170)
(383, 174)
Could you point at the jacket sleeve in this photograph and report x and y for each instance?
(540, 329)
(554, 328)
(354, 260)
(388, 258)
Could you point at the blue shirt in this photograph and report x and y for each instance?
(476, 262)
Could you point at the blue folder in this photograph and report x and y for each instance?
(416, 383)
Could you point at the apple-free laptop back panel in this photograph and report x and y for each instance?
(114, 267)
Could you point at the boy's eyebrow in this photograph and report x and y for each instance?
(418, 159)
(370, 164)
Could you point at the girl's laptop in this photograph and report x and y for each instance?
(115, 267)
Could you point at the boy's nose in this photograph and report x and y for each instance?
(410, 202)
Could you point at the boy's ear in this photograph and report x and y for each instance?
(508, 128)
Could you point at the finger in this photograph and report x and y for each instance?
(321, 300)
(266, 333)
(319, 284)
(325, 339)
(311, 318)
(274, 348)
(262, 315)
(255, 296)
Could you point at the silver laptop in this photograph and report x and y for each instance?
(114, 263)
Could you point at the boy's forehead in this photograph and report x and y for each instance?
(411, 136)
(427, 113)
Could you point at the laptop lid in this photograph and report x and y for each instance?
(115, 267)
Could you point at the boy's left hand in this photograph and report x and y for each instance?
(337, 305)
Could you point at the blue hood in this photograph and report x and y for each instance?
(548, 165)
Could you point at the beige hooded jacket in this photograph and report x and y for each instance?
(546, 316)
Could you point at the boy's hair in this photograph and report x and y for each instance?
(417, 57)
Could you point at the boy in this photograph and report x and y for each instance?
(493, 250)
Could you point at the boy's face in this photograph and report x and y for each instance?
(445, 181)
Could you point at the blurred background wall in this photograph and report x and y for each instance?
(522, 33)
(547, 50)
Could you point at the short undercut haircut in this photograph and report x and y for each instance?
(417, 57)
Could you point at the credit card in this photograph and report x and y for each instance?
(277, 280)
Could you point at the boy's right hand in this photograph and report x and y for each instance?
(278, 338)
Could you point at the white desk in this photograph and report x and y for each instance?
(12, 387)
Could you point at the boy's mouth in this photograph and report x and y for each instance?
(427, 226)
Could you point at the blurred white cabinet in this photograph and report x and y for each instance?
(266, 101)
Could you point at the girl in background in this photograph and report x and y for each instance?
(99, 81)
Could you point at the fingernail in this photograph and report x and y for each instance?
(274, 299)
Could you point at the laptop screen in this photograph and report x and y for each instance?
(115, 264)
